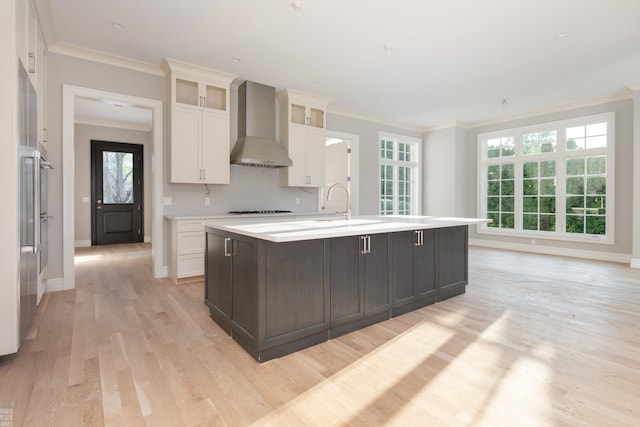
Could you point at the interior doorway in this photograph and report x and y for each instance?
(117, 182)
(69, 95)
(341, 167)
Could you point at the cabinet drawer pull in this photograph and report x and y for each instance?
(419, 238)
(227, 252)
(366, 244)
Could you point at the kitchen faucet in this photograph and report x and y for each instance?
(346, 213)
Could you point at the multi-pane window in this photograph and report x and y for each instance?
(554, 180)
(399, 175)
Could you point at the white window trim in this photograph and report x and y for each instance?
(416, 168)
(560, 156)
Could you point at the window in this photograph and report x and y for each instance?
(399, 175)
(553, 180)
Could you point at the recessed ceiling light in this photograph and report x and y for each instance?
(315, 82)
(117, 25)
(504, 100)
(235, 59)
(563, 34)
(388, 48)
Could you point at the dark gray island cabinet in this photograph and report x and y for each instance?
(277, 297)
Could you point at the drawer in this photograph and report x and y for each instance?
(190, 265)
(190, 225)
(190, 242)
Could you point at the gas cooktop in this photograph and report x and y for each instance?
(268, 211)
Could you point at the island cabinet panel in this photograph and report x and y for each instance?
(413, 270)
(217, 291)
(294, 290)
(359, 282)
(347, 295)
(374, 272)
(452, 250)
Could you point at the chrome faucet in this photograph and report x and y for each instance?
(346, 213)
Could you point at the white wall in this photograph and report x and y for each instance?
(445, 173)
(83, 136)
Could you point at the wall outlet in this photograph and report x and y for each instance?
(85, 199)
(297, 200)
(167, 201)
(207, 201)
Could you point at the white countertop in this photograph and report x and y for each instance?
(228, 216)
(309, 229)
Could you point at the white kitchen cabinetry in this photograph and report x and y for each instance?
(302, 133)
(199, 123)
(186, 254)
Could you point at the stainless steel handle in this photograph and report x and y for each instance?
(366, 244)
(32, 63)
(227, 240)
(419, 238)
(46, 218)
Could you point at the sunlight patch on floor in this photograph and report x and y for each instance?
(368, 381)
(81, 259)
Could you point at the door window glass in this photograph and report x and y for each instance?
(117, 178)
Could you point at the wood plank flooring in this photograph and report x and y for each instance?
(535, 341)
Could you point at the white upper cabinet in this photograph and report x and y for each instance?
(199, 122)
(32, 51)
(302, 133)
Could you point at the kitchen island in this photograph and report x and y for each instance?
(278, 287)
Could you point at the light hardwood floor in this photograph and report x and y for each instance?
(535, 341)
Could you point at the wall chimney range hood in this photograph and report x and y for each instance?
(256, 144)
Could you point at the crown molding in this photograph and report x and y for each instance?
(105, 58)
(347, 113)
(565, 107)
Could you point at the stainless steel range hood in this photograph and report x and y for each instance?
(256, 144)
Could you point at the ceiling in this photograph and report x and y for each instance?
(419, 63)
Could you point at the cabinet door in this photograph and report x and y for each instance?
(402, 275)
(315, 157)
(346, 286)
(215, 148)
(185, 145)
(298, 154)
(425, 265)
(244, 278)
(375, 276)
(452, 261)
(186, 92)
(215, 96)
(218, 279)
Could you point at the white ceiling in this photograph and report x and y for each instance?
(450, 61)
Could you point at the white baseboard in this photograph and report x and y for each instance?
(82, 243)
(54, 285)
(147, 239)
(635, 263)
(552, 250)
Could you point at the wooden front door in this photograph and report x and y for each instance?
(117, 193)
